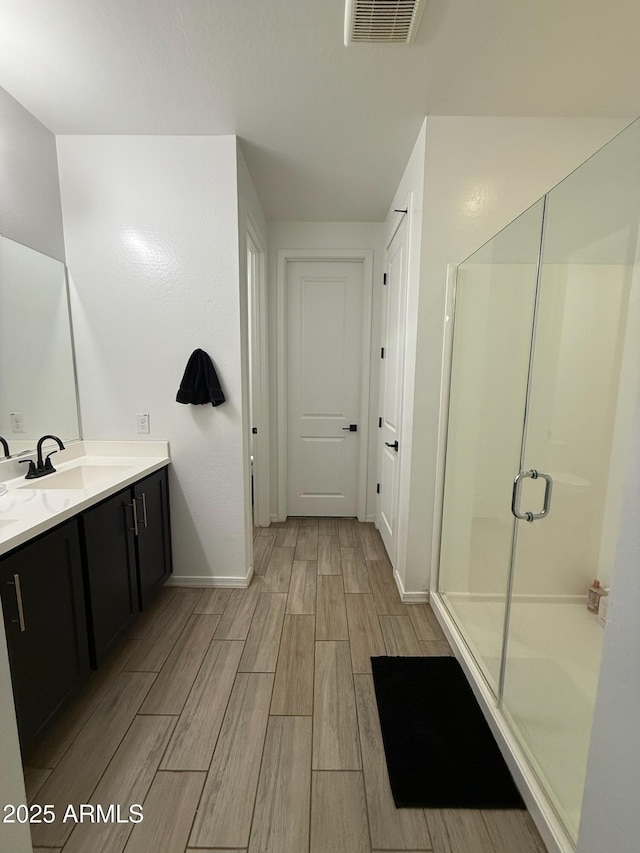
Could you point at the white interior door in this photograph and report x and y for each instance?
(324, 361)
(391, 388)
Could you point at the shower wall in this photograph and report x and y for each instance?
(580, 335)
(494, 313)
(545, 375)
(579, 348)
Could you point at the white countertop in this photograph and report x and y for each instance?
(31, 507)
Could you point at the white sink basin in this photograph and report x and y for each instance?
(80, 477)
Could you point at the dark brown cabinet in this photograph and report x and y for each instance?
(45, 621)
(127, 544)
(70, 594)
(153, 540)
(111, 576)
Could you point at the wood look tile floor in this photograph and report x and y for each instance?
(245, 720)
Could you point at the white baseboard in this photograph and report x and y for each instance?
(215, 581)
(409, 597)
(371, 517)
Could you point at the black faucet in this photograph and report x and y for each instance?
(5, 446)
(42, 467)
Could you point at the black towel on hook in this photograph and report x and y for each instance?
(200, 382)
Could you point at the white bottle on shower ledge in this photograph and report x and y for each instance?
(594, 595)
(603, 608)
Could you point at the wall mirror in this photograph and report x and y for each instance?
(37, 371)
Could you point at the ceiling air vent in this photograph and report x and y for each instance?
(382, 21)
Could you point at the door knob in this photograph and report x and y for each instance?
(392, 444)
(351, 428)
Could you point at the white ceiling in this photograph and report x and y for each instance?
(326, 129)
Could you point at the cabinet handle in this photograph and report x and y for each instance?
(20, 619)
(135, 517)
(144, 509)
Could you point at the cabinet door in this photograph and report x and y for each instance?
(45, 620)
(154, 535)
(110, 572)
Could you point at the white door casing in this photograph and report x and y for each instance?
(324, 335)
(258, 358)
(324, 310)
(391, 387)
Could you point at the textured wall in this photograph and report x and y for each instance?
(151, 229)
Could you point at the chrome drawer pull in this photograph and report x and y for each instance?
(20, 619)
(135, 517)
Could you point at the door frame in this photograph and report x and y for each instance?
(285, 256)
(443, 424)
(259, 351)
(398, 557)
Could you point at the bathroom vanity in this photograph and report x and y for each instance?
(82, 551)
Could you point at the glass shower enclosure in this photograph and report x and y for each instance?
(544, 373)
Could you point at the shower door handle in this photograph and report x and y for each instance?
(517, 487)
(548, 486)
(515, 497)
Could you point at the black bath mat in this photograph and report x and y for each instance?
(440, 750)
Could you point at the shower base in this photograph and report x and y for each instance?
(551, 679)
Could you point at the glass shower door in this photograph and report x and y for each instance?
(577, 409)
(494, 310)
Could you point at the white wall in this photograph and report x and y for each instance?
(315, 236)
(610, 814)
(151, 234)
(480, 173)
(29, 189)
(30, 214)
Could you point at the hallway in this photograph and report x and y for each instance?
(246, 720)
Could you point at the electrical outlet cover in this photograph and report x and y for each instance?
(17, 422)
